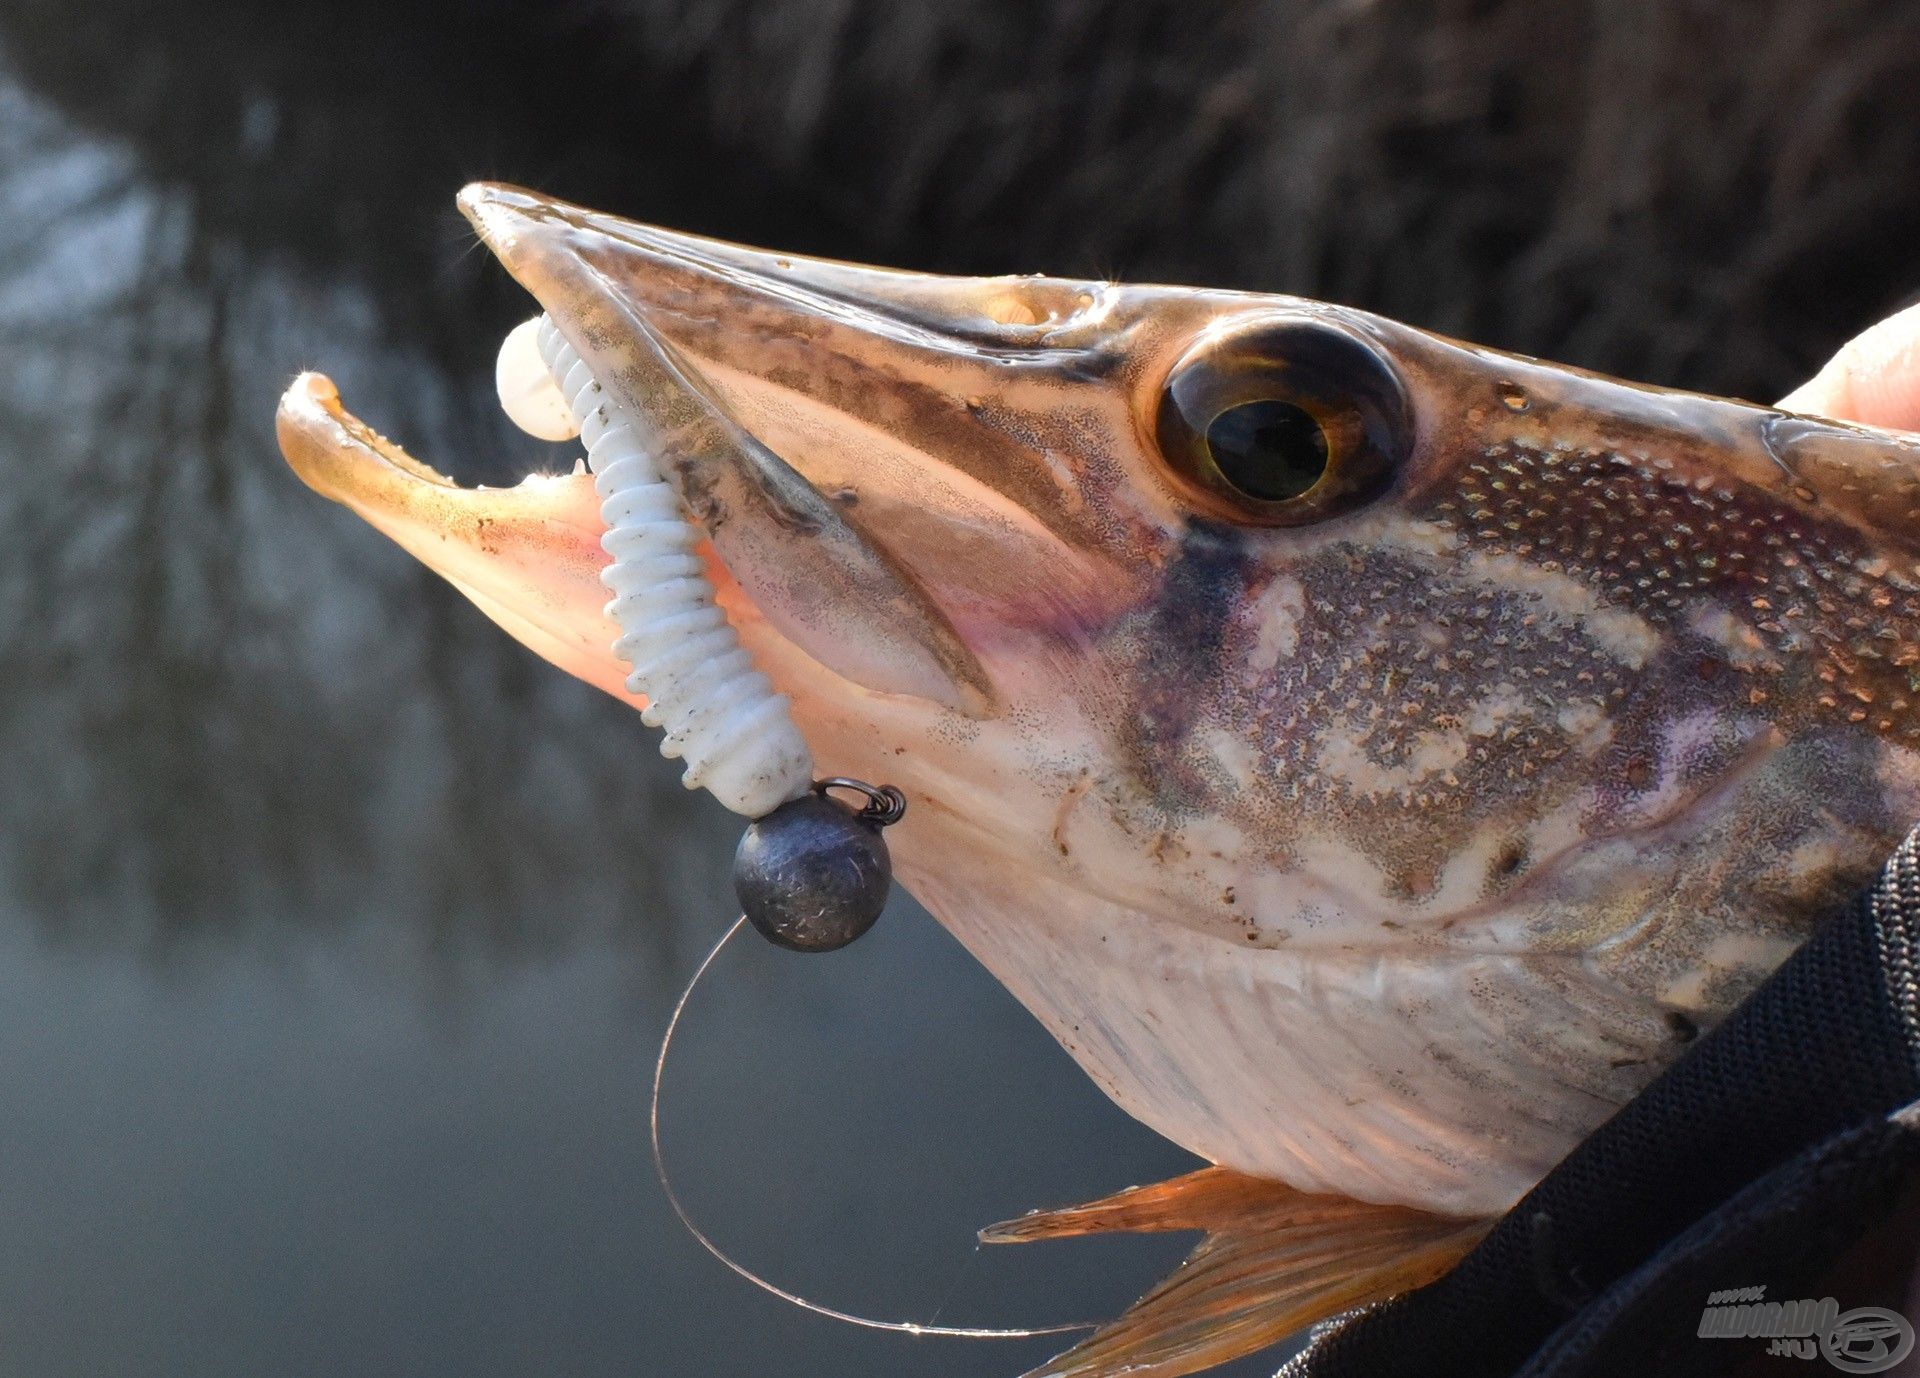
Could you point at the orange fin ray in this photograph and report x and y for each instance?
(1274, 1261)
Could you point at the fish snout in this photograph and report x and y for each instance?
(868, 449)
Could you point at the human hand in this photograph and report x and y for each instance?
(1874, 379)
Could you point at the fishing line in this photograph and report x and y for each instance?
(954, 1332)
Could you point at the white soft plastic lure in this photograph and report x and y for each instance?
(720, 714)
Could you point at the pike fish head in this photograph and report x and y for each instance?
(1371, 755)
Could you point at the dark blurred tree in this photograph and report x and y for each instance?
(1705, 192)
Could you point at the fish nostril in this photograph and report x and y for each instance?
(1009, 309)
(1032, 303)
(1509, 861)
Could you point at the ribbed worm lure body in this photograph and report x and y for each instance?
(811, 873)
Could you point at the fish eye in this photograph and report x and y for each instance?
(1284, 423)
(1268, 449)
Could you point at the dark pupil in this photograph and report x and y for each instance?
(1268, 450)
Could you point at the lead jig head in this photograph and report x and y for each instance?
(813, 875)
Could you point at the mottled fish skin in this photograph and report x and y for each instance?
(1506, 786)
(1384, 854)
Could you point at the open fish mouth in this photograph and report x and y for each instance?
(789, 561)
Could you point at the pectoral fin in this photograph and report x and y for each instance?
(1274, 1260)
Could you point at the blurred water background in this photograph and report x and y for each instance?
(336, 932)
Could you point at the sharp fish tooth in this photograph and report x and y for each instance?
(528, 393)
